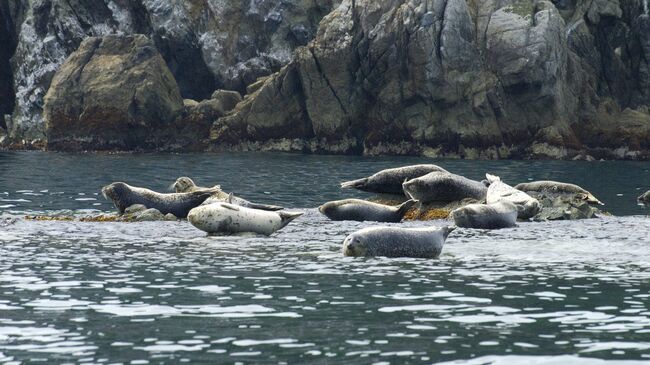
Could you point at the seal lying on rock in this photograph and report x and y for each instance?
(527, 206)
(186, 185)
(645, 198)
(397, 242)
(558, 188)
(361, 210)
(230, 218)
(502, 214)
(444, 187)
(124, 196)
(390, 181)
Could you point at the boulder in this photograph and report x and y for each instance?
(134, 209)
(149, 215)
(565, 208)
(114, 92)
(227, 98)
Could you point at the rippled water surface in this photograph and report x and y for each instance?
(138, 293)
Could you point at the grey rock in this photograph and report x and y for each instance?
(227, 98)
(149, 215)
(170, 217)
(565, 208)
(135, 208)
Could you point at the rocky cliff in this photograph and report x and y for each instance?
(458, 78)
(489, 79)
(207, 44)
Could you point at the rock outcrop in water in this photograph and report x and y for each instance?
(493, 79)
(206, 44)
(457, 78)
(113, 92)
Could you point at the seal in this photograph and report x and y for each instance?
(527, 206)
(444, 187)
(186, 185)
(397, 242)
(124, 196)
(502, 214)
(644, 198)
(226, 218)
(390, 181)
(558, 188)
(361, 210)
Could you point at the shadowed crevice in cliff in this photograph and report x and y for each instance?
(9, 10)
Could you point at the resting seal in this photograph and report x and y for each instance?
(527, 206)
(186, 185)
(390, 181)
(502, 214)
(644, 198)
(124, 196)
(397, 242)
(361, 210)
(229, 218)
(443, 187)
(554, 187)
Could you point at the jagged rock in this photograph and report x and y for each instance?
(149, 215)
(114, 92)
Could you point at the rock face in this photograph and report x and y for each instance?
(207, 44)
(464, 78)
(113, 92)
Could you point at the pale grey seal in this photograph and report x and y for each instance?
(444, 187)
(502, 214)
(185, 185)
(397, 242)
(558, 188)
(124, 196)
(644, 198)
(527, 206)
(390, 181)
(361, 210)
(229, 218)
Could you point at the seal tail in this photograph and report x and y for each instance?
(354, 184)
(406, 206)
(287, 217)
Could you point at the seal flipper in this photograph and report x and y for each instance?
(447, 230)
(355, 184)
(406, 206)
(287, 217)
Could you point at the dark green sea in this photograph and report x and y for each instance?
(574, 292)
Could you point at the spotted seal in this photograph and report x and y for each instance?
(502, 214)
(444, 187)
(124, 196)
(558, 188)
(527, 206)
(230, 218)
(361, 210)
(186, 185)
(397, 242)
(390, 181)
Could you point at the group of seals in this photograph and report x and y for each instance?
(208, 209)
(215, 211)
